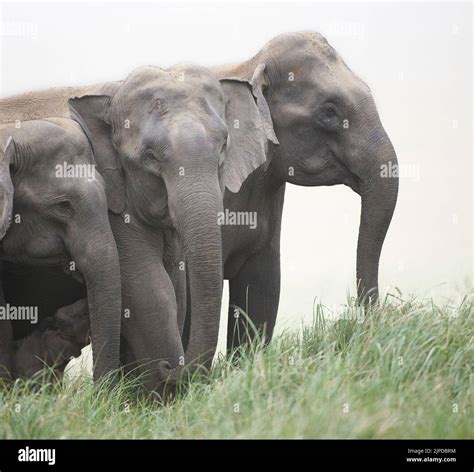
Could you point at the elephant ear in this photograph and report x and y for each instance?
(7, 154)
(90, 112)
(6, 185)
(250, 127)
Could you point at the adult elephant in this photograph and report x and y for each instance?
(159, 139)
(322, 128)
(53, 206)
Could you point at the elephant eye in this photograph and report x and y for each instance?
(150, 162)
(328, 117)
(62, 207)
(149, 156)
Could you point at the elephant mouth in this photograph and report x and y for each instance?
(322, 161)
(316, 165)
(326, 168)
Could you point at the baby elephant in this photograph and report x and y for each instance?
(54, 342)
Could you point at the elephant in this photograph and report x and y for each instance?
(53, 205)
(57, 339)
(317, 124)
(160, 142)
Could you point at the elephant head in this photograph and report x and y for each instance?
(325, 130)
(160, 140)
(72, 323)
(54, 342)
(6, 188)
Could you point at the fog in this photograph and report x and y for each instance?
(417, 59)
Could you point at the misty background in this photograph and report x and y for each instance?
(417, 59)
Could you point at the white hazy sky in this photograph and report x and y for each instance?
(417, 59)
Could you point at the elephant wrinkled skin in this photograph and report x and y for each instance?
(315, 123)
(58, 206)
(160, 140)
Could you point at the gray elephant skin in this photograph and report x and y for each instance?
(57, 218)
(295, 113)
(159, 140)
(316, 124)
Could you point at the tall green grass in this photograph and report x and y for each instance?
(402, 370)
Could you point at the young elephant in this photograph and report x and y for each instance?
(55, 209)
(54, 342)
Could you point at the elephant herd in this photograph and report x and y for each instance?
(124, 205)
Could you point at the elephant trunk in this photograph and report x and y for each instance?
(379, 196)
(97, 258)
(196, 220)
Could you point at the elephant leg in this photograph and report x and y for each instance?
(128, 362)
(6, 349)
(149, 322)
(185, 332)
(174, 261)
(150, 327)
(178, 279)
(254, 295)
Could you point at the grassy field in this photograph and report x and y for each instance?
(404, 370)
